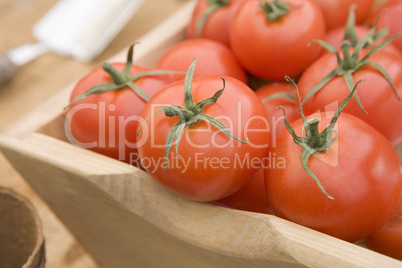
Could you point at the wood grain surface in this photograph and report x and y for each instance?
(41, 79)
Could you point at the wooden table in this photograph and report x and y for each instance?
(41, 79)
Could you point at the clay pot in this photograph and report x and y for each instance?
(21, 238)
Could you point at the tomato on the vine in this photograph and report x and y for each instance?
(211, 19)
(203, 138)
(376, 95)
(213, 59)
(272, 39)
(341, 177)
(330, 78)
(106, 104)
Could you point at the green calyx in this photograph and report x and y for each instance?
(315, 141)
(214, 5)
(280, 95)
(275, 10)
(121, 80)
(351, 34)
(351, 61)
(190, 114)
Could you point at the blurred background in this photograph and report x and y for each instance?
(41, 79)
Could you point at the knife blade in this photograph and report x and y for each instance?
(80, 29)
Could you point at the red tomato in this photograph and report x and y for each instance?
(277, 94)
(375, 93)
(106, 123)
(336, 36)
(391, 17)
(217, 24)
(388, 240)
(273, 49)
(251, 197)
(213, 59)
(336, 12)
(208, 164)
(361, 171)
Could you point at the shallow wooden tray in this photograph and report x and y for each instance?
(124, 219)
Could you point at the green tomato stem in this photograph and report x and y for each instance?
(275, 10)
(117, 77)
(348, 63)
(190, 114)
(350, 29)
(351, 62)
(314, 141)
(121, 80)
(279, 95)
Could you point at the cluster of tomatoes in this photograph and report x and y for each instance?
(286, 107)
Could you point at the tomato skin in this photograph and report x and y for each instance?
(213, 59)
(218, 23)
(336, 12)
(251, 197)
(388, 240)
(361, 170)
(335, 37)
(391, 18)
(212, 172)
(276, 115)
(109, 119)
(375, 93)
(271, 50)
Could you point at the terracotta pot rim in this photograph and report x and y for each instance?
(38, 253)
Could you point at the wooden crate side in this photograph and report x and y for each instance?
(122, 217)
(111, 233)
